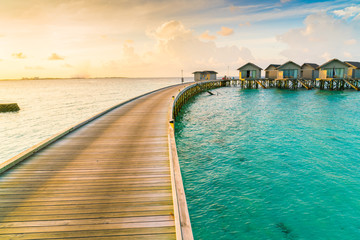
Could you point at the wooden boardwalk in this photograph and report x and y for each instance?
(110, 179)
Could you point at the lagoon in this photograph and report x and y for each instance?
(271, 164)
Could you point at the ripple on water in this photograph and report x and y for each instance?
(271, 164)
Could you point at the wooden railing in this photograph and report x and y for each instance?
(182, 217)
(190, 91)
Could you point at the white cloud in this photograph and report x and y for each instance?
(284, 1)
(323, 37)
(243, 8)
(225, 31)
(348, 12)
(170, 30)
(177, 47)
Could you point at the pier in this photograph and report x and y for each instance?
(114, 176)
(296, 83)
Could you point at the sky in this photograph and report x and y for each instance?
(159, 38)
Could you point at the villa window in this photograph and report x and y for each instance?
(290, 73)
(334, 72)
(253, 74)
(248, 74)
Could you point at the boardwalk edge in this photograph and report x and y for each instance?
(181, 213)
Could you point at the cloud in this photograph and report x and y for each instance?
(207, 36)
(185, 48)
(350, 42)
(170, 30)
(348, 12)
(34, 68)
(55, 57)
(348, 55)
(225, 31)
(245, 7)
(177, 47)
(284, 1)
(19, 55)
(66, 65)
(129, 41)
(248, 24)
(322, 38)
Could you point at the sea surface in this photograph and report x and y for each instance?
(51, 106)
(272, 164)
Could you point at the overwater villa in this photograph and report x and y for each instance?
(332, 75)
(249, 70)
(271, 71)
(309, 71)
(333, 69)
(354, 69)
(204, 75)
(288, 70)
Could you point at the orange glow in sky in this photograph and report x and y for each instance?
(138, 38)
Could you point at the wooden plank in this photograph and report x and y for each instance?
(154, 205)
(92, 172)
(159, 236)
(89, 187)
(96, 204)
(153, 233)
(352, 85)
(34, 184)
(101, 177)
(302, 83)
(260, 84)
(83, 196)
(54, 217)
(90, 221)
(73, 228)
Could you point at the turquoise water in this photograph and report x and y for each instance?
(51, 106)
(272, 164)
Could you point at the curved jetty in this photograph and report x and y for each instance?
(109, 178)
(9, 107)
